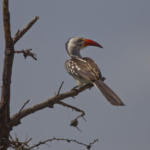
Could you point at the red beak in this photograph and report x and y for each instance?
(88, 42)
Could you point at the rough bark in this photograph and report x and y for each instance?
(6, 79)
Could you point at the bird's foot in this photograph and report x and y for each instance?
(103, 78)
(75, 88)
(90, 85)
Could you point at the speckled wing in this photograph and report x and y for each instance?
(88, 70)
(93, 68)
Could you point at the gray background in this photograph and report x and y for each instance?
(123, 29)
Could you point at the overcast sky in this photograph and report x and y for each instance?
(123, 29)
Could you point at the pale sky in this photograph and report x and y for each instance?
(123, 29)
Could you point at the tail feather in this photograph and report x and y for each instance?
(108, 93)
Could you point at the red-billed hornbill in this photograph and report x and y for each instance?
(84, 70)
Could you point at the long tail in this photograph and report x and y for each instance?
(108, 93)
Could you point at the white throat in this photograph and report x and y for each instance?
(73, 50)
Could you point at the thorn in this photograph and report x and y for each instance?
(60, 88)
(79, 129)
(84, 118)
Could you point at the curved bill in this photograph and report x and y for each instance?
(88, 42)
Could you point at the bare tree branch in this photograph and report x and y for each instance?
(61, 139)
(27, 53)
(24, 144)
(72, 107)
(60, 88)
(74, 122)
(19, 34)
(24, 105)
(16, 144)
(15, 119)
(6, 79)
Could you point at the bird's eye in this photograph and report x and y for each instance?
(79, 41)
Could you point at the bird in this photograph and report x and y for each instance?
(85, 71)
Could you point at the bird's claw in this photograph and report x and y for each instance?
(103, 78)
(74, 88)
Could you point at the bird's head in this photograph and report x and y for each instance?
(74, 45)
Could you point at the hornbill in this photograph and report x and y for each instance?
(84, 70)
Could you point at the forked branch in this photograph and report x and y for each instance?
(27, 53)
(15, 119)
(74, 122)
(19, 34)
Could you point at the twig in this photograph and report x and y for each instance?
(28, 141)
(17, 144)
(27, 53)
(89, 146)
(22, 145)
(74, 122)
(72, 107)
(19, 33)
(25, 143)
(60, 88)
(24, 106)
(61, 139)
